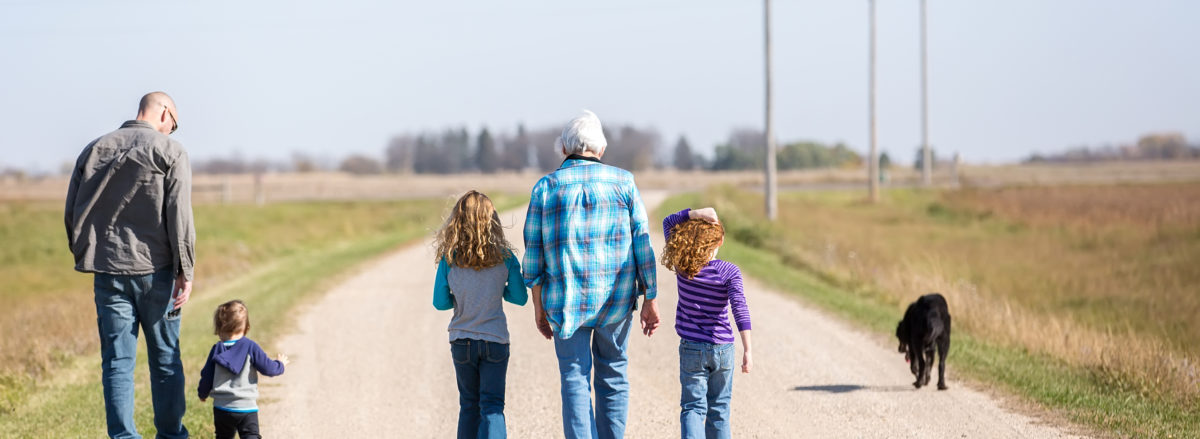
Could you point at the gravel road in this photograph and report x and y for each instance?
(371, 359)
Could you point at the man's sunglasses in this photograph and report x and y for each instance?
(174, 121)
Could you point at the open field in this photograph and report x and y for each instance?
(1081, 298)
(271, 256)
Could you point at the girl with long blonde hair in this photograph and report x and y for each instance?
(476, 270)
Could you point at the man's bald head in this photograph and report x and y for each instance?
(154, 99)
(158, 109)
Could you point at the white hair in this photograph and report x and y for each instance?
(583, 133)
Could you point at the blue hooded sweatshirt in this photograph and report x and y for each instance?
(230, 375)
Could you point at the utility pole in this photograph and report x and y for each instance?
(771, 198)
(873, 166)
(927, 154)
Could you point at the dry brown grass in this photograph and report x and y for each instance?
(1102, 277)
(1144, 207)
(47, 311)
(1092, 173)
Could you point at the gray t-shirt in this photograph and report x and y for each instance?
(475, 296)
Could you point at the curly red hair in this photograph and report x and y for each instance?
(691, 246)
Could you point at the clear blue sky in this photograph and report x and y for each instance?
(266, 78)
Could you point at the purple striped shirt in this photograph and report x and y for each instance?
(705, 300)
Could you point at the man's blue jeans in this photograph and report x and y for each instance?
(605, 348)
(706, 375)
(481, 367)
(123, 304)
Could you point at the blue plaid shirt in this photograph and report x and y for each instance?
(587, 243)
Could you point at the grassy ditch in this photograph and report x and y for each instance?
(272, 257)
(1034, 302)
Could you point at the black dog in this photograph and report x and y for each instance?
(925, 324)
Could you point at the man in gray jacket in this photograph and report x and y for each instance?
(129, 221)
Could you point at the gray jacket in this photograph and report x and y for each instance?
(129, 205)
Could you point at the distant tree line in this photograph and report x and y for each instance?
(237, 164)
(744, 150)
(458, 150)
(1159, 146)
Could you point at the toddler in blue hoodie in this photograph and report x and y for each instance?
(230, 375)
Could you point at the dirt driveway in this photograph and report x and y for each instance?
(371, 359)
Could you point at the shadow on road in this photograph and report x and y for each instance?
(846, 388)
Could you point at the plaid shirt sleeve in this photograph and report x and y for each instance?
(643, 252)
(533, 266)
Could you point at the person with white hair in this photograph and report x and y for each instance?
(587, 259)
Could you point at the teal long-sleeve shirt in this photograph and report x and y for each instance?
(475, 296)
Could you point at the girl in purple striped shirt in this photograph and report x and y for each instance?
(708, 289)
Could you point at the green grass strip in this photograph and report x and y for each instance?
(1073, 392)
(70, 403)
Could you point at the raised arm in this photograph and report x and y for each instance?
(708, 214)
(673, 220)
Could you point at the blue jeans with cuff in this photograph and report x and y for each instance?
(481, 367)
(605, 348)
(706, 375)
(125, 303)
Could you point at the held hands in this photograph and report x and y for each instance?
(543, 325)
(282, 358)
(649, 317)
(539, 314)
(708, 214)
(183, 290)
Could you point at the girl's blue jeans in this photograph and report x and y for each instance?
(481, 367)
(706, 375)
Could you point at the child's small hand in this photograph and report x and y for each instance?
(282, 359)
(747, 362)
(203, 399)
(708, 214)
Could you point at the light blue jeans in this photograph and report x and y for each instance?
(123, 305)
(481, 368)
(706, 375)
(603, 347)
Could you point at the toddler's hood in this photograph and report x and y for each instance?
(233, 357)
